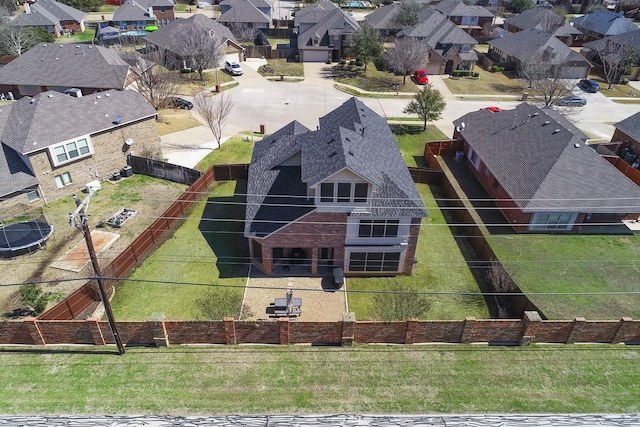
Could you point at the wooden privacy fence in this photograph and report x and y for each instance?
(530, 329)
(630, 172)
(163, 170)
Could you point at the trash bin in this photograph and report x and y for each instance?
(126, 171)
(116, 176)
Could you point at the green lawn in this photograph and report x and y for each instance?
(210, 380)
(557, 264)
(79, 37)
(192, 85)
(277, 67)
(373, 80)
(617, 90)
(411, 139)
(235, 150)
(488, 84)
(207, 249)
(440, 268)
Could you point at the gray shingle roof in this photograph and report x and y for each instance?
(351, 137)
(630, 126)
(543, 169)
(458, 8)
(333, 22)
(526, 44)
(67, 66)
(629, 39)
(314, 12)
(37, 17)
(62, 11)
(168, 37)
(533, 17)
(33, 124)
(243, 11)
(604, 22)
(384, 17)
(138, 10)
(15, 175)
(435, 30)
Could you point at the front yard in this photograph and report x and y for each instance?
(281, 67)
(488, 84)
(373, 80)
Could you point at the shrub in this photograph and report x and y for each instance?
(187, 70)
(33, 297)
(343, 61)
(497, 69)
(475, 74)
(624, 81)
(221, 303)
(461, 73)
(399, 305)
(359, 62)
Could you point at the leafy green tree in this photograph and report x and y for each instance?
(428, 104)
(519, 6)
(366, 44)
(399, 305)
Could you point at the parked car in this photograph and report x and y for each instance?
(589, 85)
(421, 77)
(572, 101)
(233, 68)
(492, 109)
(181, 103)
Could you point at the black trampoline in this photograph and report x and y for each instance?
(23, 237)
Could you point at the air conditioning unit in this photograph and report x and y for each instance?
(459, 156)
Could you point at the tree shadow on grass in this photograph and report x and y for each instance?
(502, 88)
(222, 225)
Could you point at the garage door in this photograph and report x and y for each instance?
(232, 57)
(432, 68)
(575, 72)
(314, 55)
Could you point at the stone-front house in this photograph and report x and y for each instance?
(339, 196)
(52, 16)
(54, 144)
(541, 172)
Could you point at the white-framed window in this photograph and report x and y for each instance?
(70, 150)
(33, 195)
(378, 228)
(474, 158)
(63, 179)
(375, 261)
(344, 192)
(553, 221)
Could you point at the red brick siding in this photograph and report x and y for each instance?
(552, 331)
(264, 332)
(132, 333)
(15, 332)
(315, 332)
(491, 330)
(412, 244)
(196, 332)
(70, 331)
(438, 331)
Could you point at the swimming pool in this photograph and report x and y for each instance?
(135, 33)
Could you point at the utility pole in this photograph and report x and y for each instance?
(79, 218)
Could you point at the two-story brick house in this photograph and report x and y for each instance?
(339, 196)
(470, 18)
(136, 15)
(53, 144)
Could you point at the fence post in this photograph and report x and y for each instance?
(621, 333)
(530, 324)
(230, 330)
(159, 330)
(96, 333)
(410, 336)
(467, 330)
(578, 324)
(348, 329)
(34, 331)
(283, 323)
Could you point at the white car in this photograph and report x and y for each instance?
(233, 68)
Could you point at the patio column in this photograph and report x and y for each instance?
(314, 261)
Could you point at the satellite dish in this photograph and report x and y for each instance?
(460, 127)
(129, 142)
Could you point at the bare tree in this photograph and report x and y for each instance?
(615, 59)
(488, 30)
(245, 33)
(398, 305)
(408, 55)
(199, 48)
(549, 22)
(215, 111)
(14, 40)
(547, 78)
(407, 13)
(154, 82)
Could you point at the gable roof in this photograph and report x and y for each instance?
(15, 174)
(314, 12)
(630, 126)
(525, 44)
(138, 10)
(458, 8)
(383, 18)
(435, 29)
(543, 164)
(628, 39)
(62, 11)
(604, 22)
(67, 66)
(37, 17)
(243, 11)
(331, 23)
(532, 18)
(169, 36)
(32, 124)
(256, 3)
(351, 137)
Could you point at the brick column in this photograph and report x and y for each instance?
(348, 329)
(314, 261)
(578, 324)
(159, 330)
(34, 331)
(283, 323)
(467, 330)
(96, 333)
(623, 330)
(230, 330)
(412, 326)
(531, 322)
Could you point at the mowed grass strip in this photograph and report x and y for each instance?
(411, 141)
(440, 267)
(294, 379)
(488, 84)
(233, 151)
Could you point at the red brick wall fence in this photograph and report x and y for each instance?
(530, 329)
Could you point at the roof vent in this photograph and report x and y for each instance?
(535, 114)
(44, 45)
(546, 123)
(576, 145)
(117, 119)
(107, 95)
(32, 101)
(332, 140)
(348, 140)
(50, 96)
(98, 97)
(556, 131)
(351, 152)
(61, 46)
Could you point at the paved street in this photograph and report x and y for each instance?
(274, 104)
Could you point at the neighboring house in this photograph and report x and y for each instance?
(384, 19)
(54, 144)
(62, 66)
(450, 47)
(629, 39)
(339, 196)
(602, 23)
(52, 16)
(168, 38)
(250, 14)
(470, 18)
(525, 47)
(627, 138)
(136, 15)
(541, 172)
(544, 20)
